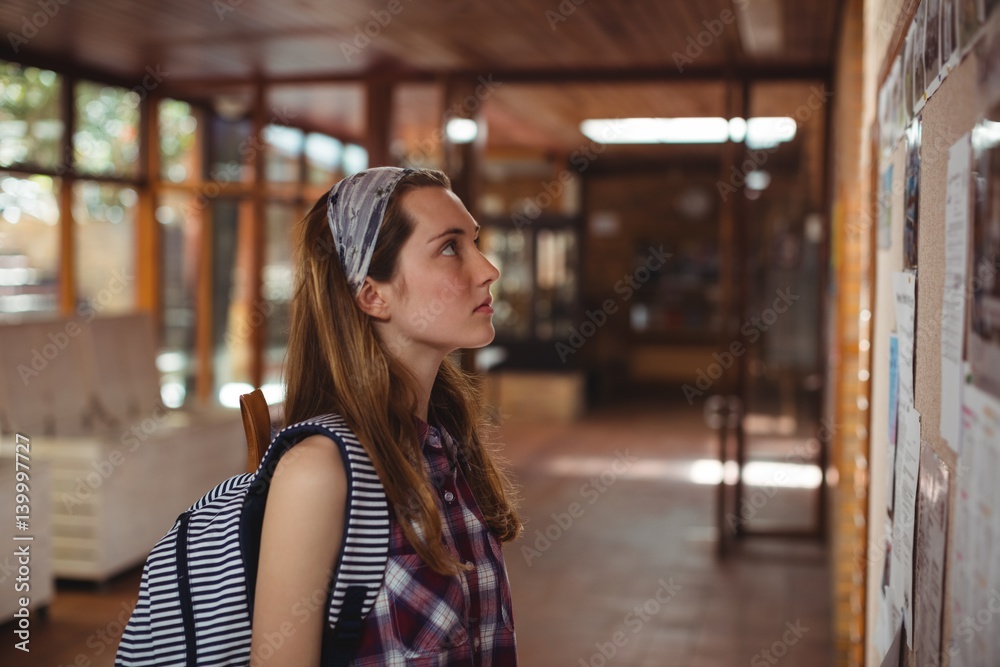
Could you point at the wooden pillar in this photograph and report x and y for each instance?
(205, 374)
(255, 270)
(67, 241)
(463, 162)
(379, 126)
(148, 260)
(741, 297)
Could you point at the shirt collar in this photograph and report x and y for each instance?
(423, 429)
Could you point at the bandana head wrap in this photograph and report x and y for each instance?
(355, 208)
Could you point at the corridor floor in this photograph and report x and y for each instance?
(632, 579)
(617, 565)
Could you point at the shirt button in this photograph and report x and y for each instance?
(476, 642)
(449, 496)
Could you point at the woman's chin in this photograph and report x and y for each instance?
(483, 341)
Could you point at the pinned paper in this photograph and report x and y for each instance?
(929, 555)
(904, 517)
(956, 251)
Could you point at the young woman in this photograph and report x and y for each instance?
(390, 281)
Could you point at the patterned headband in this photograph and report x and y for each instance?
(355, 210)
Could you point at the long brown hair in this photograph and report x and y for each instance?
(337, 363)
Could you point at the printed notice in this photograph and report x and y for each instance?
(956, 250)
(904, 286)
(904, 514)
(975, 572)
(890, 467)
(928, 554)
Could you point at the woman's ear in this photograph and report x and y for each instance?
(372, 300)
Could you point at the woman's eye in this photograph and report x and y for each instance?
(449, 246)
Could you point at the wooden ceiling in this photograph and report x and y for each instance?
(558, 61)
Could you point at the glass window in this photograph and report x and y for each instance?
(355, 159)
(230, 146)
(284, 153)
(278, 281)
(510, 251)
(31, 128)
(181, 227)
(106, 141)
(178, 142)
(105, 246)
(323, 155)
(29, 244)
(232, 324)
(556, 262)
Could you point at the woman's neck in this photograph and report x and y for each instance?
(424, 371)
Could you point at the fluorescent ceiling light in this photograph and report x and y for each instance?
(656, 130)
(767, 132)
(758, 180)
(324, 150)
(288, 140)
(462, 130)
(737, 129)
(764, 132)
(355, 159)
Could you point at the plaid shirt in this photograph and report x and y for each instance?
(423, 618)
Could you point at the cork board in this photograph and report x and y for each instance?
(948, 115)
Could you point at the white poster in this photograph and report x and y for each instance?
(975, 570)
(904, 515)
(956, 251)
(904, 284)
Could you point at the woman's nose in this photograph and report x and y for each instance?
(491, 273)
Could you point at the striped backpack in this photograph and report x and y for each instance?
(196, 595)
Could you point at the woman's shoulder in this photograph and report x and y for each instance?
(313, 465)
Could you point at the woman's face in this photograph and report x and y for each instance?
(435, 300)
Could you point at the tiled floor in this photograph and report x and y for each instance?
(649, 533)
(617, 565)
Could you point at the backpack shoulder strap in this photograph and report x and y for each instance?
(364, 546)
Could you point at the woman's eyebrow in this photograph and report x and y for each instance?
(453, 230)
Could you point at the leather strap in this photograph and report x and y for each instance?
(257, 424)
